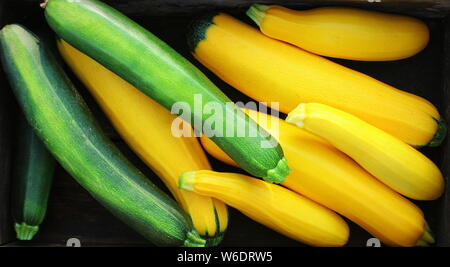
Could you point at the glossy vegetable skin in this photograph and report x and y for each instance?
(296, 217)
(146, 127)
(139, 57)
(269, 71)
(33, 169)
(390, 160)
(327, 176)
(64, 123)
(343, 32)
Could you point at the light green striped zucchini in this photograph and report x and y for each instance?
(148, 63)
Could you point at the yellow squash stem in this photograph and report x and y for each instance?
(272, 71)
(329, 177)
(146, 127)
(271, 205)
(389, 159)
(342, 32)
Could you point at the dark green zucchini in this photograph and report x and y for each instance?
(148, 63)
(33, 169)
(64, 123)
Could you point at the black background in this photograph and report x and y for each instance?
(73, 213)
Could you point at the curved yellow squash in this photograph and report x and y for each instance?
(324, 174)
(269, 70)
(272, 205)
(146, 127)
(392, 161)
(341, 32)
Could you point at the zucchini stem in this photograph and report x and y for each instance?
(43, 5)
(25, 231)
(197, 30)
(278, 174)
(257, 12)
(421, 243)
(186, 180)
(428, 234)
(440, 134)
(297, 115)
(427, 238)
(215, 240)
(194, 240)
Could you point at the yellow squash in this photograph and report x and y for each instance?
(272, 205)
(269, 70)
(329, 177)
(342, 32)
(389, 159)
(146, 127)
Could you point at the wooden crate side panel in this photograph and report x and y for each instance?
(443, 234)
(5, 157)
(436, 8)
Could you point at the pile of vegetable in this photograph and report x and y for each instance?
(348, 147)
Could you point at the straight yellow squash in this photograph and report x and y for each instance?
(146, 127)
(269, 70)
(327, 176)
(342, 32)
(272, 205)
(392, 161)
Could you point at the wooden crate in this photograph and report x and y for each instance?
(73, 213)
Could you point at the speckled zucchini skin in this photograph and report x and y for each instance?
(64, 123)
(153, 67)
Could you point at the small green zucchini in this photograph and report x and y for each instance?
(153, 67)
(33, 168)
(66, 126)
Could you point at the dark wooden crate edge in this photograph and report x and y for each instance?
(443, 235)
(443, 229)
(5, 154)
(430, 8)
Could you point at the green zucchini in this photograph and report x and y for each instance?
(66, 126)
(33, 169)
(148, 63)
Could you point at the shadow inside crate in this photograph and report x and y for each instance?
(73, 213)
